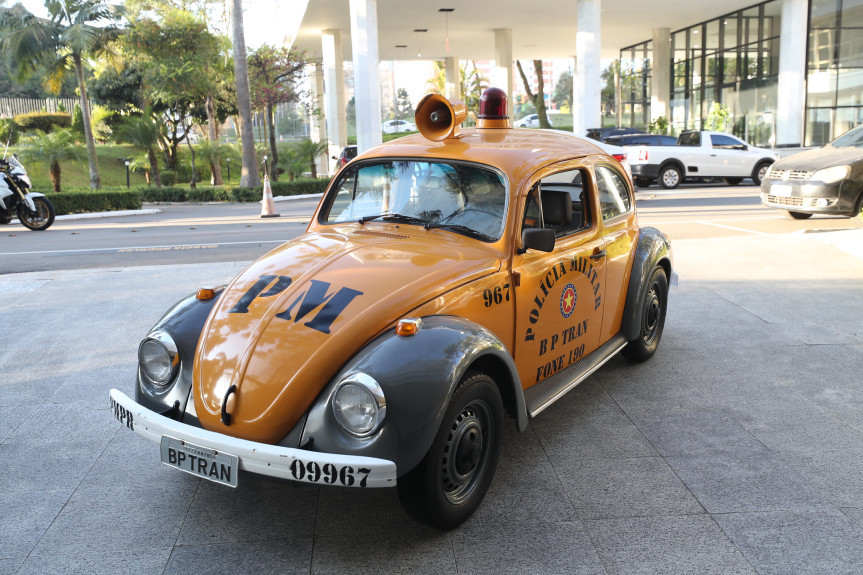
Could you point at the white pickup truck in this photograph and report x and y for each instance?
(699, 154)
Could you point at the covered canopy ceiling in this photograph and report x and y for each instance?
(543, 30)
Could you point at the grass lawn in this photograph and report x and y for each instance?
(72, 173)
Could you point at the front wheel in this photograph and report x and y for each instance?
(453, 478)
(653, 308)
(40, 218)
(760, 172)
(670, 177)
(799, 215)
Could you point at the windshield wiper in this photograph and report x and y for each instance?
(394, 218)
(461, 229)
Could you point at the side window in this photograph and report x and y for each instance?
(725, 142)
(614, 198)
(563, 208)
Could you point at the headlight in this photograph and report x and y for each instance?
(830, 175)
(359, 404)
(157, 357)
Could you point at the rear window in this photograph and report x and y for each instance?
(689, 139)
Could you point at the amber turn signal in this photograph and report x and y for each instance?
(408, 326)
(206, 293)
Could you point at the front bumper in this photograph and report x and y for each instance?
(260, 458)
(807, 197)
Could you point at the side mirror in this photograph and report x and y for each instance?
(535, 239)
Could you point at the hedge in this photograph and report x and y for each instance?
(226, 194)
(42, 121)
(71, 202)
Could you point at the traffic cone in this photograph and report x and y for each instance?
(268, 207)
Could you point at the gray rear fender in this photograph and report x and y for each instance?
(652, 251)
(418, 375)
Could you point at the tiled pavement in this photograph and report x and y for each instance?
(737, 449)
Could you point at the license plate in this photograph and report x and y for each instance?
(781, 190)
(200, 461)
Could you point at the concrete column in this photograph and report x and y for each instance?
(334, 91)
(367, 81)
(660, 82)
(791, 103)
(317, 125)
(502, 72)
(587, 72)
(453, 78)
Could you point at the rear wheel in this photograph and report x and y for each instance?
(653, 308)
(799, 215)
(643, 182)
(40, 218)
(670, 177)
(454, 476)
(733, 181)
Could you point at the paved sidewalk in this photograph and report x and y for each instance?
(738, 448)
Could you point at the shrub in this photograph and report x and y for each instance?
(168, 177)
(42, 121)
(78, 202)
(8, 131)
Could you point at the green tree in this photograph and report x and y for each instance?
(274, 73)
(563, 91)
(143, 132)
(74, 31)
(537, 98)
(472, 87)
(309, 151)
(8, 132)
(50, 149)
(403, 107)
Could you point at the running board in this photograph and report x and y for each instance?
(546, 392)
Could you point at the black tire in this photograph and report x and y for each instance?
(653, 309)
(643, 182)
(39, 220)
(670, 177)
(732, 181)
(798, 215)
(760, 171)
(444, 491)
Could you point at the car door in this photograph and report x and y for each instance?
(620, 238)
(559, 295)
(729, 157)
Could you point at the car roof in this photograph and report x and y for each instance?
(504, 148)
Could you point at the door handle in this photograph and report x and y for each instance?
(598, 255)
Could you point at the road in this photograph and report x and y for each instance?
(236, 232)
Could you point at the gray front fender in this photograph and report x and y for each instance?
(418, 375)
(653, 250)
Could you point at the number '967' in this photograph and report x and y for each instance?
(495, 296)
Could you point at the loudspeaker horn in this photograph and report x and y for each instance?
(438, 118)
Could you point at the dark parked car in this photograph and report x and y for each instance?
(348, 154)
(826, 180)
(600, 134)
(641, 140)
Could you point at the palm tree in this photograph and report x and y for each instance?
(250, 177)
(74, 31)
(52, 148)
(309, 151)
(143, 132)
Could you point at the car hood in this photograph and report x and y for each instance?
(290, 321)
(826, 157)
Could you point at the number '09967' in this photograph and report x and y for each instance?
(328, 473)
(495, 296)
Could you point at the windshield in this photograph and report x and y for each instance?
(465, 199)
(851, 138)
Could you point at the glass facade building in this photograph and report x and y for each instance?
(733, 61)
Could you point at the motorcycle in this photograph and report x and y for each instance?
(34, 210)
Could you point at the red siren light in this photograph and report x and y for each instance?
(493, 109)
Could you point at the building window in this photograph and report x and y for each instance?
(834, 75)
(733, 61)
(636, 63)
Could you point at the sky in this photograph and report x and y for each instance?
(264, 21)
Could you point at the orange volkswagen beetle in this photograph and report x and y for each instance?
(447, 280)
